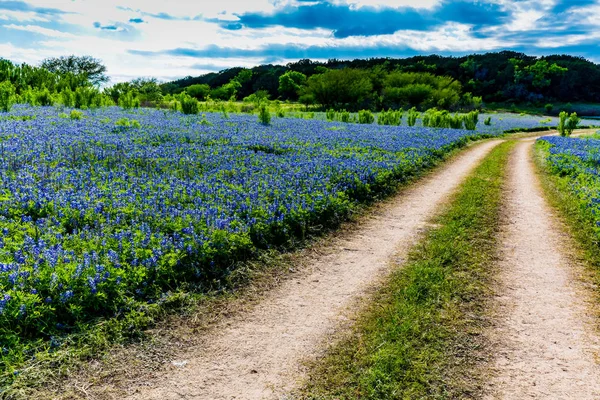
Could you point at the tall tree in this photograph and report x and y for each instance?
(89, 67)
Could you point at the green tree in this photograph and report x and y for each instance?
(87, 66)
(198, 91)
(346, 88)
(290, 84)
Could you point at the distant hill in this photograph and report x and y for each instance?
(505, 76)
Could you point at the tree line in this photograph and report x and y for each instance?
(423, 82)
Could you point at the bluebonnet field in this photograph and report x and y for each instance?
(578, 161)
(100, 220)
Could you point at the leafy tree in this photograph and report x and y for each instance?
(346, 88)
(147, 89)
(87, 66)
(290, 84)
(198, 91)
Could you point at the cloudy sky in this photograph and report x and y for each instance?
(176, 38)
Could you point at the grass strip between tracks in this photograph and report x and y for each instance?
(420, 335)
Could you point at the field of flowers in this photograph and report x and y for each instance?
(578, 161)
(98, 217)
(107, 214)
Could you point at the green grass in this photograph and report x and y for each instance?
(420, 337)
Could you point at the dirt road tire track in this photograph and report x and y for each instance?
(545, 346)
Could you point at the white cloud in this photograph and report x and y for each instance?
(43, 31)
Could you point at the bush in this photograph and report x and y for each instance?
(390, 117)
(365, 117)
(76, 115)
(189, 105)
(471, 119)
(331, 115)
(567, 123)
(7, 96)
(264, 116)
(488, 121)
(129, 101)
(345, 116)
(67, 97)
(413, 115)
(128, 123)
(549, 108)
(44, 98)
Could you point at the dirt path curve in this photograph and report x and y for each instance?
(259, 355)
(545, 349)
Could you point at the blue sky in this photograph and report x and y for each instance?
(176, 38)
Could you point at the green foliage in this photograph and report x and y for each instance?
(127, 123)
(365, 117)
(549, 107)
(347, 88)
(488, 121)
(146, 90)
(87, 97)
(331, 115)
(425, 90)
(67, 97)
(76, 115)
(434, 118)
(199, 91)
(390, 117)
(43, 97)
(413, 115)
(344, 116)
(7, 96)
(471, 119)
(88, 67)
(290, 84)
(189, 105)
(264, 115)
(204, 121)
(129, 101)
(568, 124)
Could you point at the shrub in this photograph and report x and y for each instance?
(76, 115)
(345, 116)
(189, 105)
(488, 121)
(264, 116)
(129, 101)
(128, 123)
(280, 113)
(44, 98)
(7, 96)
(549, 108)
(67, 97)
(413, 115)
(330, 114)
(390, 117)
(572, 123)
(471, 119)
(365, 117)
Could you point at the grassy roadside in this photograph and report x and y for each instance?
(420, 335)
(579, 222)
(109, 356)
